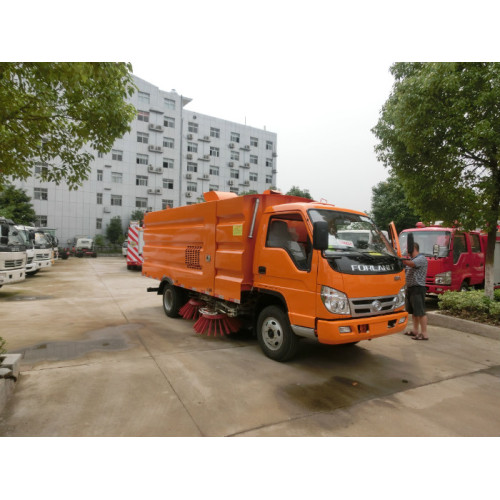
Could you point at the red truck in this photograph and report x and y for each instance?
(456, 258)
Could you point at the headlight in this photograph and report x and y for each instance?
(443, 278)
(336, 302)
(399, 299)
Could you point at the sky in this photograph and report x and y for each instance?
(315, 72)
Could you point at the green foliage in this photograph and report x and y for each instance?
(52, 113)
(114, 231)
(473, 305)
(99, 240)
(439, 134)
(15, 204)
(296, 191)
(137, 215)
(389, 204)
(2, 346)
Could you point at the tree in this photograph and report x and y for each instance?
(296, 191)
(439, 133)
(389, 203)
(137, 215)
(114, 231)
(15, 204)
(55, 114)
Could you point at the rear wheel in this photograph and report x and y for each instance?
(173, 299)
(275, 335)
(464, 287)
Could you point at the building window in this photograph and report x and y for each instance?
(235, 155)
(98, 223)
(143, 116)
(168, 142)
(192, 167)
(269, 145)
(141, 180)
(214, 132)
(141, 203)
(169, 122)
(269, 179)
(214, 170)
(41, 221)
(192, 187)
(254, 159)
(99, 175)
(116, 200)
(213, 187)
(143, 97)
(192, 147)
(117, 177)
(168, 163)
(168, 183)
(253, 176)
(167, 204)
(234, 190)
(254, 142)
(41, 194)
(99, 198)
(41, 168)
(117, 155)
(214, 151)
(100, 155)
(193, 127)
(169, 103)
(235, 174)
(142, 159)
(235, 137)
(142, 137)
(269, 162)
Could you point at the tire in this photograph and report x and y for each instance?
(32, 273)
(173, 299)
(275, 335)
(464, 287)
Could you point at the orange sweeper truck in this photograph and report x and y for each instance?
(285, 266)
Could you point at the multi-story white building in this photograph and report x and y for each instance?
(170, 158)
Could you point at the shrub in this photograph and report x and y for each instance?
(471, 305)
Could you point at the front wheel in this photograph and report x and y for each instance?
(173, 299)
(275, 335)
(464, 287)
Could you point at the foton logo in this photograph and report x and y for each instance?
(372, 268)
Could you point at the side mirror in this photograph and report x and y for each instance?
(5, 230)
(4, 240)
(320, 235)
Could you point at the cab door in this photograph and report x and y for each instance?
(284, 265)
(394, 238)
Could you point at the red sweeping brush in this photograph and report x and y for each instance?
(190, 310)
(216, 323)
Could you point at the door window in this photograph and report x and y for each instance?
(289, 232)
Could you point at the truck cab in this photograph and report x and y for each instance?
(455, 258)
(12, 253)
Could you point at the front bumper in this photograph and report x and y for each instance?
(14, 276)
(361, 328)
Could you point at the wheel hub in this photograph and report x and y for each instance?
(272, 334)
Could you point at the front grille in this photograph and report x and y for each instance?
(30, 260)
(42, 256)
(13, 264)
(372, 306)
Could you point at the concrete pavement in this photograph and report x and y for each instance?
(102, 359)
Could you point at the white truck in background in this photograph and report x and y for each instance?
(39, 246)
(12, 254)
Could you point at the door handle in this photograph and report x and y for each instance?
(262, 270)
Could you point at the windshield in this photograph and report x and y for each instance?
(426, 241)
(40, 240)
(14, 237)
(24, 236)
(352, 233)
